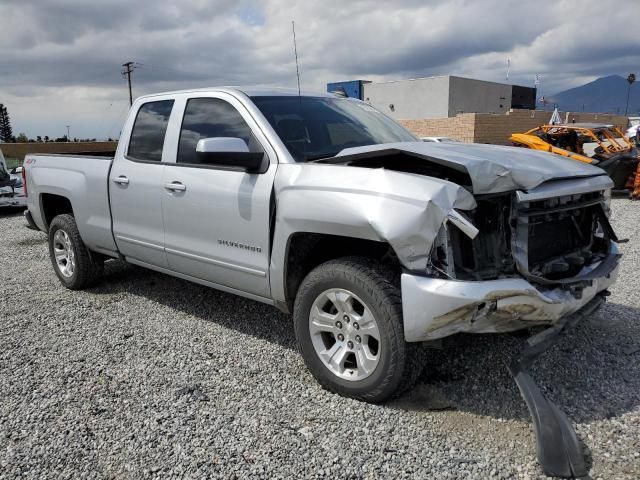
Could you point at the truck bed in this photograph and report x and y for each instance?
(84, 180)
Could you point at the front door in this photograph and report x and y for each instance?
(217, 219)
(135, 186)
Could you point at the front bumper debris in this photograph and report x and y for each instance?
(436, 308)
(559, 451)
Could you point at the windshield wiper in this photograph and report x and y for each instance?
(319, 157)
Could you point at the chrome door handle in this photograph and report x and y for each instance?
(121, 180)
(175, 186)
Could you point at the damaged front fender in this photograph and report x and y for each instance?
(403, 209)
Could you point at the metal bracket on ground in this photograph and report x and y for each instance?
(559, 451)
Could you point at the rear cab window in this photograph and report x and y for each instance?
(149, 130)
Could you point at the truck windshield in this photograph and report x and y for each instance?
(320, 127)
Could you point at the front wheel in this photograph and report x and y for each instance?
(348, 323)
(74, 264)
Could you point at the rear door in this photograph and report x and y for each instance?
(217, 221)
(135, 186)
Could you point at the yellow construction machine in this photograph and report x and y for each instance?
(598, 144)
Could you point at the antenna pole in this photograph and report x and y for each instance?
(295, 49)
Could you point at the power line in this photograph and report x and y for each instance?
(118, 120)
(158, 67)
(127, 68)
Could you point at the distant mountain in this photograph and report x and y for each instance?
(604, 95)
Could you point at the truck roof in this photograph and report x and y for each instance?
(251, 91)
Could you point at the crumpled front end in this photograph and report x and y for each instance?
(401, 209)
(537, 257)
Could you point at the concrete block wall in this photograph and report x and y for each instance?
(461, 127)
(19, 150)
(497, 128)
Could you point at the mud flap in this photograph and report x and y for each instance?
(559, 451)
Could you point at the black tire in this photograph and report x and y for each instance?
(399, 364)
(88, 266)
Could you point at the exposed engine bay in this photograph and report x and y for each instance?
(548, 242)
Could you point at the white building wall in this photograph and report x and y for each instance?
(437, 97)
(410, 99)
(477, 96)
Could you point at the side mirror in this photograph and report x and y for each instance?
(229, 152)
(16, 170)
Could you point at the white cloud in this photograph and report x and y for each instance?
(61, 59)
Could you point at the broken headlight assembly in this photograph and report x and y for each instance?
(441, 261)
(475, 245)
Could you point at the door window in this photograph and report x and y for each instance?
(147, 137)
(207, 118)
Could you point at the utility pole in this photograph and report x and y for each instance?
(127, 68)
(68, 135)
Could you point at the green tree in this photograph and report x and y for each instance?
(6, 132)
(22, 138)
(630, 80)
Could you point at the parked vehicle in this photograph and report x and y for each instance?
(633, 133)
(633, 122)
(11, 193)
(327, 209)
(439, 139)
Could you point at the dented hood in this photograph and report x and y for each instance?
(492, 168)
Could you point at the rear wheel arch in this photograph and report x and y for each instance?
(73, 263)
(52, 205)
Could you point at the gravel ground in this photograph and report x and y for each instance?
(150, 376)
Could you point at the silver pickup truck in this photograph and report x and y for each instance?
(326, 208)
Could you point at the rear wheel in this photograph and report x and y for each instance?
(74, 264)
(348, 322)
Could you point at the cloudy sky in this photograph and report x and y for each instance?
(61, 59)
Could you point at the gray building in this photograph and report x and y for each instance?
(443, 96)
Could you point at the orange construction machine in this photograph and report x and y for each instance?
(598, 144)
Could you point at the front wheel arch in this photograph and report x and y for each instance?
(400, 363)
